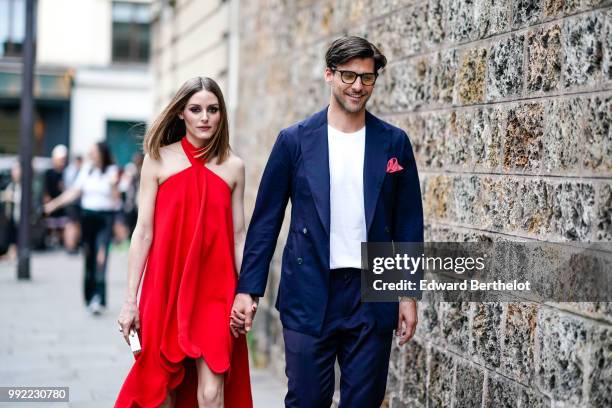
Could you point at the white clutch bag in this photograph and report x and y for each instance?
(134, 342)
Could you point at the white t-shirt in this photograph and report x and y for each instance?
(347, 221)
(96, 188)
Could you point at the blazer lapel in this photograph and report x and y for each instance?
(374, 165)
(315, 153)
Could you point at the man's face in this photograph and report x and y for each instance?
(59, 161)
(351, 97)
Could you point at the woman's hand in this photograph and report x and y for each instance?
(129, 318)
(48, 208)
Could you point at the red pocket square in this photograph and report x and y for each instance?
(393, 166)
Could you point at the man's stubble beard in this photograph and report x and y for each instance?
(348, 109)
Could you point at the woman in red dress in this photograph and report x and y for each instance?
(189, 238)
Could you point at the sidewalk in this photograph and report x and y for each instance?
(47, 337)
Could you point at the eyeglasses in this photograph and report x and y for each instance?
(349, 77)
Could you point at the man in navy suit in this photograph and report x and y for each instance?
(351, 178)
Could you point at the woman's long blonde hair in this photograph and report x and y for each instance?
(168, 128)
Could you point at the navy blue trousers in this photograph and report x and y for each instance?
(349, 335)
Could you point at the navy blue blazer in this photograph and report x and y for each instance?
(298, 169)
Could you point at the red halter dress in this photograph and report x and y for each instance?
(187, 295)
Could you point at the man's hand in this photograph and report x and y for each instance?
(407, 321)
(243, 312)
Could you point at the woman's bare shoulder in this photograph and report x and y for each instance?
(170, 150)
(150, 166)
(235, 162)
(173, 156)
(171, 160)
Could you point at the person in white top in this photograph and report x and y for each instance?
(96, 185)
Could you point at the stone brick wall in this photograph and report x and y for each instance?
(508, 106)
(189, 38)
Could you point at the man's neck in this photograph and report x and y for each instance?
(344, 121)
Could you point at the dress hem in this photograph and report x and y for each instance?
(134, 401)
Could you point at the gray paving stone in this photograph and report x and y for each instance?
(49, 339)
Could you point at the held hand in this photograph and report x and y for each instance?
(243, 312)
(128, 318)
(48, 208)
(407, 321)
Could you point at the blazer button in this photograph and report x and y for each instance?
(305, 231)
(300, 261)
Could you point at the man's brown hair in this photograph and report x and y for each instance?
(346, 48)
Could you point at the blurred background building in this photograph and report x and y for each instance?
(195, 38)
(92, 80)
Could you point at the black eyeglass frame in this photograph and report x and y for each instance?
(360, 76)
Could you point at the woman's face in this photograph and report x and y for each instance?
(201, 115)
(95, 156)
